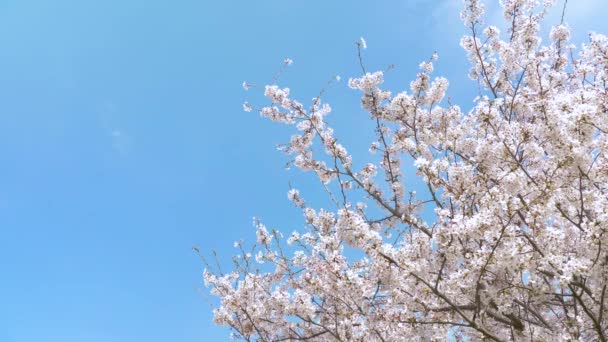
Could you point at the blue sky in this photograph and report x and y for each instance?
(123, 144)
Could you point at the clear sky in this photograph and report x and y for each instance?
(123, 143)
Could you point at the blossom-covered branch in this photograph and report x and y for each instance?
(517, 247)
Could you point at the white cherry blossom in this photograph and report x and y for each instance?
(517, 249)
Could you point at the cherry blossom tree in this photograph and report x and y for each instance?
(517, 249)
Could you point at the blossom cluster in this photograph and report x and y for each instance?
(517, 250)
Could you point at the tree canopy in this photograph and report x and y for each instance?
(517, 249)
